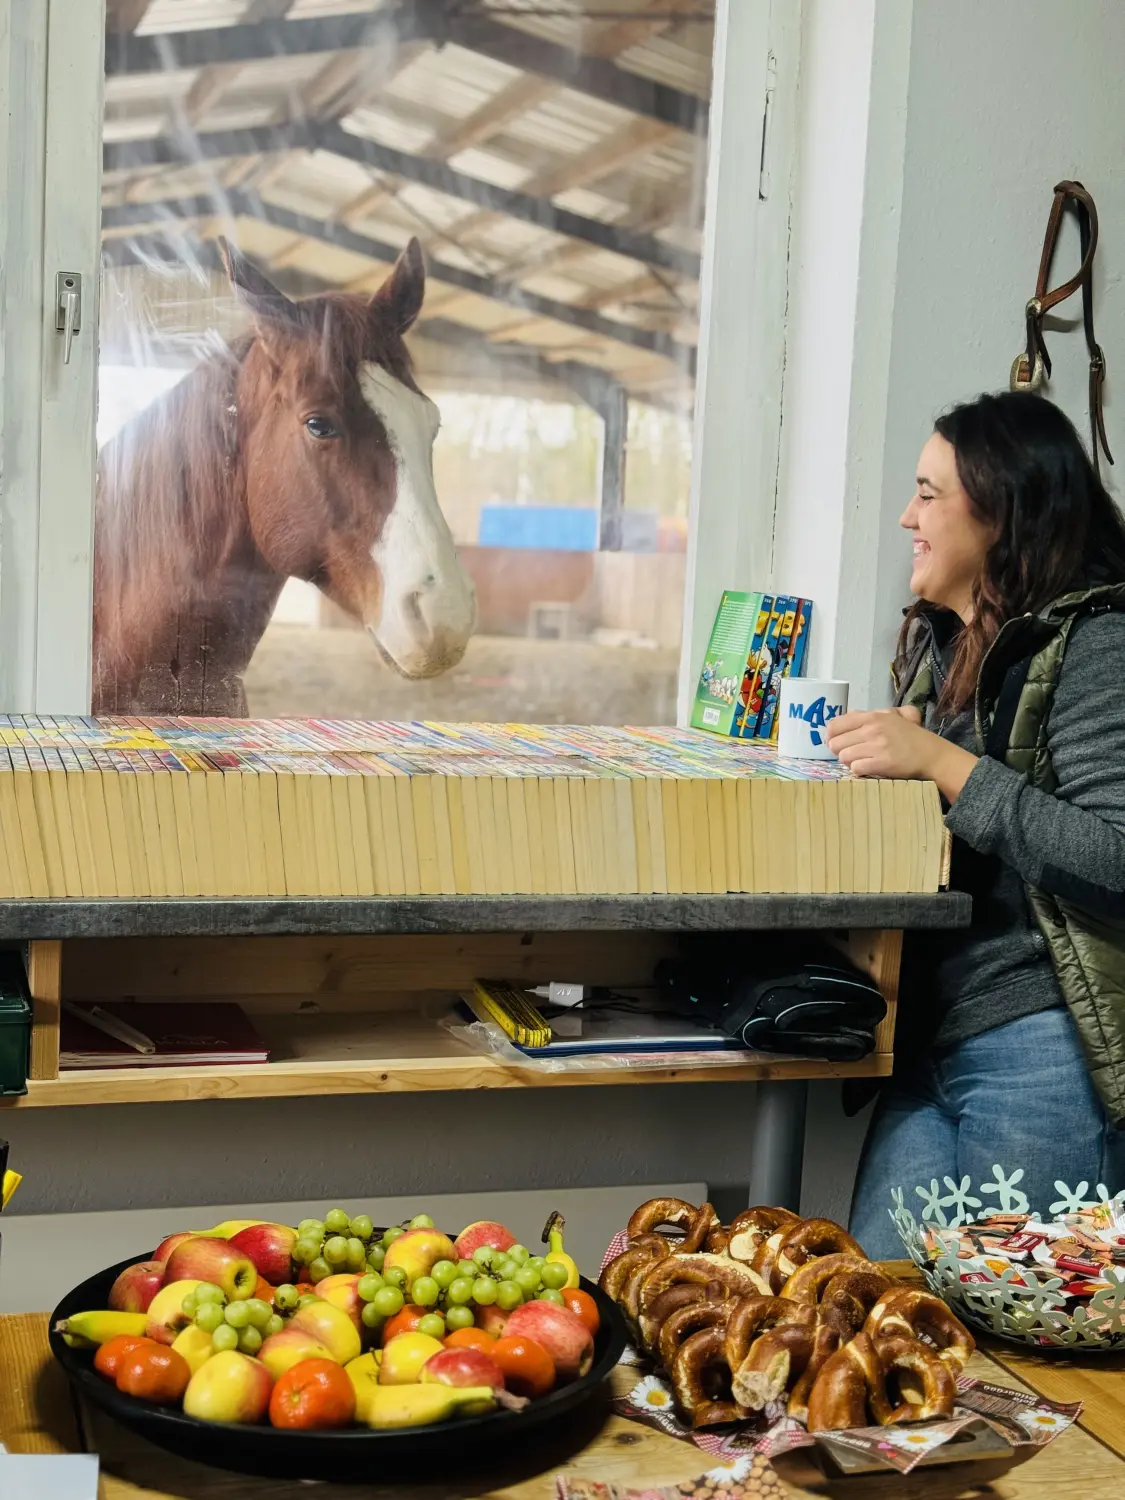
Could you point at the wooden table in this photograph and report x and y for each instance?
(37, 1416)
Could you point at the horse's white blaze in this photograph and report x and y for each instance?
(428, 608)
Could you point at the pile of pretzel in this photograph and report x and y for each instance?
(773, 1308)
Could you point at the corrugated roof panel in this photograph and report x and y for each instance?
(400, 133)
(682, 58)
(566, 123)
(190, 15)
(451, 79)
(302, 10)
(491, 166)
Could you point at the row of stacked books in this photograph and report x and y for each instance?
(756, 642)
(180, 807)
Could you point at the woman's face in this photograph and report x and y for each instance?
(950, 542)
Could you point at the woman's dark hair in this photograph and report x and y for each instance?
(1028, 477)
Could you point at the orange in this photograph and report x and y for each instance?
(405, 1321)
(110, 1354)
(470, 1338)
(583, 1306)
(313, 1395)
(154, 1372)
(527, 1367)
(264, 1290)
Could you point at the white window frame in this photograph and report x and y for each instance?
(51, 71)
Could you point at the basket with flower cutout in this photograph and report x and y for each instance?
(1025, 1304)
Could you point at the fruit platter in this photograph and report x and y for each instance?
(333, 1349)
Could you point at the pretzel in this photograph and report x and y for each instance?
(701, 1359)
(852, 1294)
(699, 1269)
(674, 1213)
(753, 1316)
(826, 1340)
(613, 1278)
(812, 1237)
(685, 1321)
(809, 1282)
(747, 1230)
(851, 1382)
(905, 1312)
(764, 1261)
(932, 1387)
(683, 1294)
(718, 1242)
(775, 1358)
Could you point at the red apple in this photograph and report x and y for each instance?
(483, 1232)
(562, 1333)
(492, 1320)
(216, 1261)
(462, 1367)
(269, 1246)
(166, 1246)
(137, 1285)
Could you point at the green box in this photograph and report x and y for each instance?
(15, 1026)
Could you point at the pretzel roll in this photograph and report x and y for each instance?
(752, 1316)
(850, 1385)
(813, 1237)
(748, 1229)
(674, 1213)
(685, 1294)
(699, 1376)
(613, 1278)
(904, 1312)
(776, 1359)
(919, 1374)
(686, 1321)
(764, 1261)
(699, 1270)
(810, 1281)
(826, 1340)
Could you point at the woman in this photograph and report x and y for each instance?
(1011, 697)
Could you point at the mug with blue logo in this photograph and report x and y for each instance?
(805, 715)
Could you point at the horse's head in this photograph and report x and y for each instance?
(336, 443)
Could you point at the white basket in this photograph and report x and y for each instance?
(1037, 1313)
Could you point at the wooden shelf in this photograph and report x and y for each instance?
(34, 920)
(395, 1052)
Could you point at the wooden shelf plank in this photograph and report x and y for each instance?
(425, 914)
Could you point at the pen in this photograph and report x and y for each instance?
(121, 1030)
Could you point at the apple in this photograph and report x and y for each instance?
(417, 1251)
(230, 1387)
(404, 1357)
(166, 1316)
(269, 1246)
(492, 1320)
(215, 1261)
(342, 1291)
(483, 1232)
(330, 1326)
(137, 1285)
(281, 1351)
(167, 1245)
(462, 1367)
(194, 1345)
(562, 1333)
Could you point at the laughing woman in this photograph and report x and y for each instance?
(1011, 697)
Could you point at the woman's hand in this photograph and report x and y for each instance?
(891, 744)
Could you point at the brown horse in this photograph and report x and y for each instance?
(303, 451)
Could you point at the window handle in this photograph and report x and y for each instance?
(68, 308)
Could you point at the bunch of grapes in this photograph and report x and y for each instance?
(238, 1325)
(338, 1243)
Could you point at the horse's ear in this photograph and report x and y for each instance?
(270, 308)
(399, 300)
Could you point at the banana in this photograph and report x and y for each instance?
(553, 1236)
(388, 1406)
(228, 1229)
(83, 1329)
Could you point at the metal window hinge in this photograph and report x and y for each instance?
(767, 121)
(68, 308)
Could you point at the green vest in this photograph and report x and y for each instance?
(1088, 951)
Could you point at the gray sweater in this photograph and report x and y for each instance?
(959, 984)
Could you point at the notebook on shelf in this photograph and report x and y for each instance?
(183, 1036)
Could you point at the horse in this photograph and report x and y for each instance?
(302, 450)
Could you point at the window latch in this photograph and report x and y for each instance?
(68, 308)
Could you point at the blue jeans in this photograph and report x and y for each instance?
(1019, 1095)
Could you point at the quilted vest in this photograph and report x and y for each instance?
(1015, 689)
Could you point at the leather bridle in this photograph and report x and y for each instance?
(1033, 367)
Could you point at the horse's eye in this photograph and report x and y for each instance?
(321, 427)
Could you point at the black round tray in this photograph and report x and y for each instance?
(353, 1455)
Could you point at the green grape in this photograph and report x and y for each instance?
(505, 1269)
(189, 1305)
(458, 1317)
(319, 1269)
(433, 1324)
(387, 1301)
(425, 1292)
(275, 1325)
(459, 1292)
(238, 1315)
(362, 1227)
(307, 1299)
(444, 1273)
(484, 1291)
(552, 1294)
(467, 1268)
(395, 1232)
(335, 1250)
(519, 1253)
(421, 1221)
(305, 1251)
(250, 1340)
(336, 1220)
(206, 1291)
(536, 1263)
(368, 1285)
(371, 1316)
(224, 1337)
(286, 1297)
(527, 1280)
(260, 1312)
(376, 1255)
(312, 1229)
(357, 1254)
(483, 1256)
(508, 1296)
(555, 1276)
(209, 1317)
(396, 1276)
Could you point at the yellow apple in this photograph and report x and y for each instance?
(330, 1326)
(417, 1251)
(166, 1316)
(230, 1387)
(281, 1351)
(194, 1345)
(404, 1357)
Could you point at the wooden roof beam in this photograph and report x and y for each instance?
(611, 38)
(522, 94)
(608, 155)
(124, 16)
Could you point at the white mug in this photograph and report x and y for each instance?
(805, 713)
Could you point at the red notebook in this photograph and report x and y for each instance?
(184, 1036)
